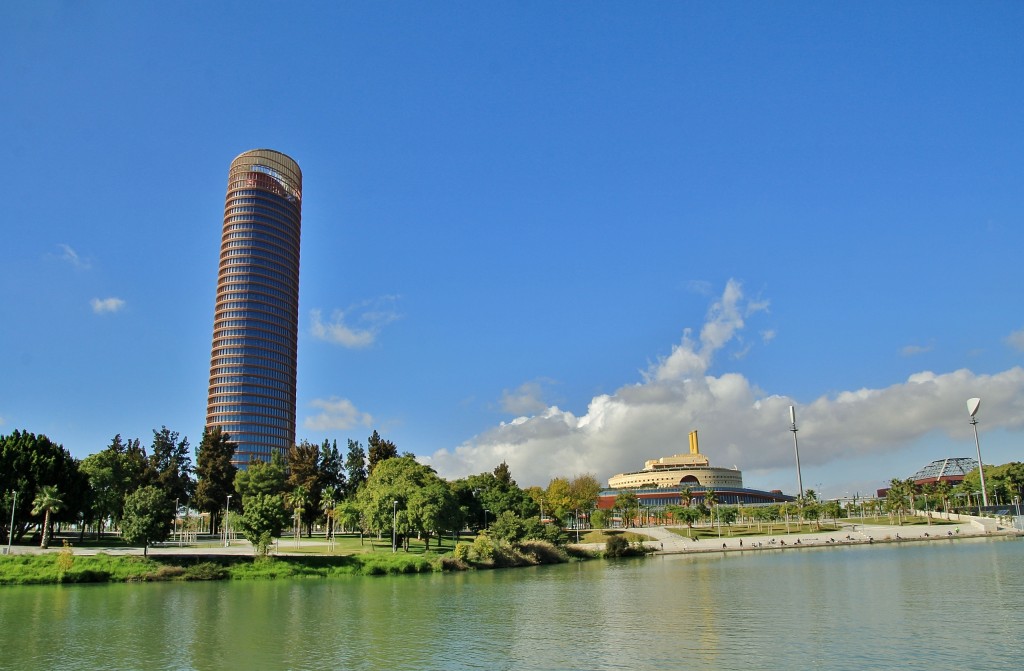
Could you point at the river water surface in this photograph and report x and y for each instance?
(934, 605)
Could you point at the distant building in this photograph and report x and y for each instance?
(662, 481)
(256, 317)
(950, 469)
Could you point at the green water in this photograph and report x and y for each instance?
(943, 605)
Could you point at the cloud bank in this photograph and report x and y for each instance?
(738, 423)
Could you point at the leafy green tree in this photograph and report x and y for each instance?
(47, 502)
(380, 450)
(425, 502)
(261, 477)
(27, 464)
(304, 471)
(332, 468)
(494, 492)
(148, 512)
(583, 490)
(215, 472)
(355, 468)
(627, 503)
(171, 460)
(508, 527)
(689, 515)
(727, 514)
(560, 497)
(113, 473)
(262, 521)
(599, 519)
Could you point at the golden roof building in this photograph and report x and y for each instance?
(679, 470)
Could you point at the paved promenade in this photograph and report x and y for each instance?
(668, 542)
(664, 541)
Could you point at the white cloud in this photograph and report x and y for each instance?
(369, 318)
(526, 399)
(737, 423)
(338, 414)
(1016, 340)
(104, 305)
(914, 350)
(71, 256)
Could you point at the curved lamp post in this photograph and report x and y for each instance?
(796, 448)
(972, 407)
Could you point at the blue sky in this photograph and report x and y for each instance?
(562, 235)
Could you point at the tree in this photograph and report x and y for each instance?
(297, 500)
(332, 468)
(262, 521)
(148, 512)
(327, 504)
(560, 497)
(380, 450)
(215, 472)
(112, 473)
(171, 459)
(425, 503)
(46, 503)
(261, 477)
(626, 501)
(355, 468)
(27, 464)
(304, 471)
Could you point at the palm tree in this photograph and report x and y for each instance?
(710, 501)
(297, 500)
(327, 503)
(47, 501)
(686, 496)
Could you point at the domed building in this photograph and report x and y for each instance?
(662, 481)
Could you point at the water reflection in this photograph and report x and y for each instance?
(913, 606)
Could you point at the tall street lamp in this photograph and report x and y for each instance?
(10, 529)
(796, 448)
(485, 518)
(972, 407)
(394, 530)
(227, 516)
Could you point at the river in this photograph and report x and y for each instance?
(930, 605)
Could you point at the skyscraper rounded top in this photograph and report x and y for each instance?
(281, 167)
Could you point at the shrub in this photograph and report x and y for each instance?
(206, 571)
(461, 552)
(616, 546)
(483, 548)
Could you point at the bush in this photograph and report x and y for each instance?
(206, 571)
(461, 552)
(616, 546)
(483, 548)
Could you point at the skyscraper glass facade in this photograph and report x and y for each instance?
(255, 323)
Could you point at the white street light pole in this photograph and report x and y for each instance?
(10, 530)
(796, 448)
(227, 516)
(394, 530)
(972, 407)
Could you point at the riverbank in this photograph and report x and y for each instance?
(665, 541)
(35, 566)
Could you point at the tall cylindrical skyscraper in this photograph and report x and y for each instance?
(255, 322)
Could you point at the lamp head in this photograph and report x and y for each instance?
(972, 405)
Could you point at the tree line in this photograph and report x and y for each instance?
(139, 491)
